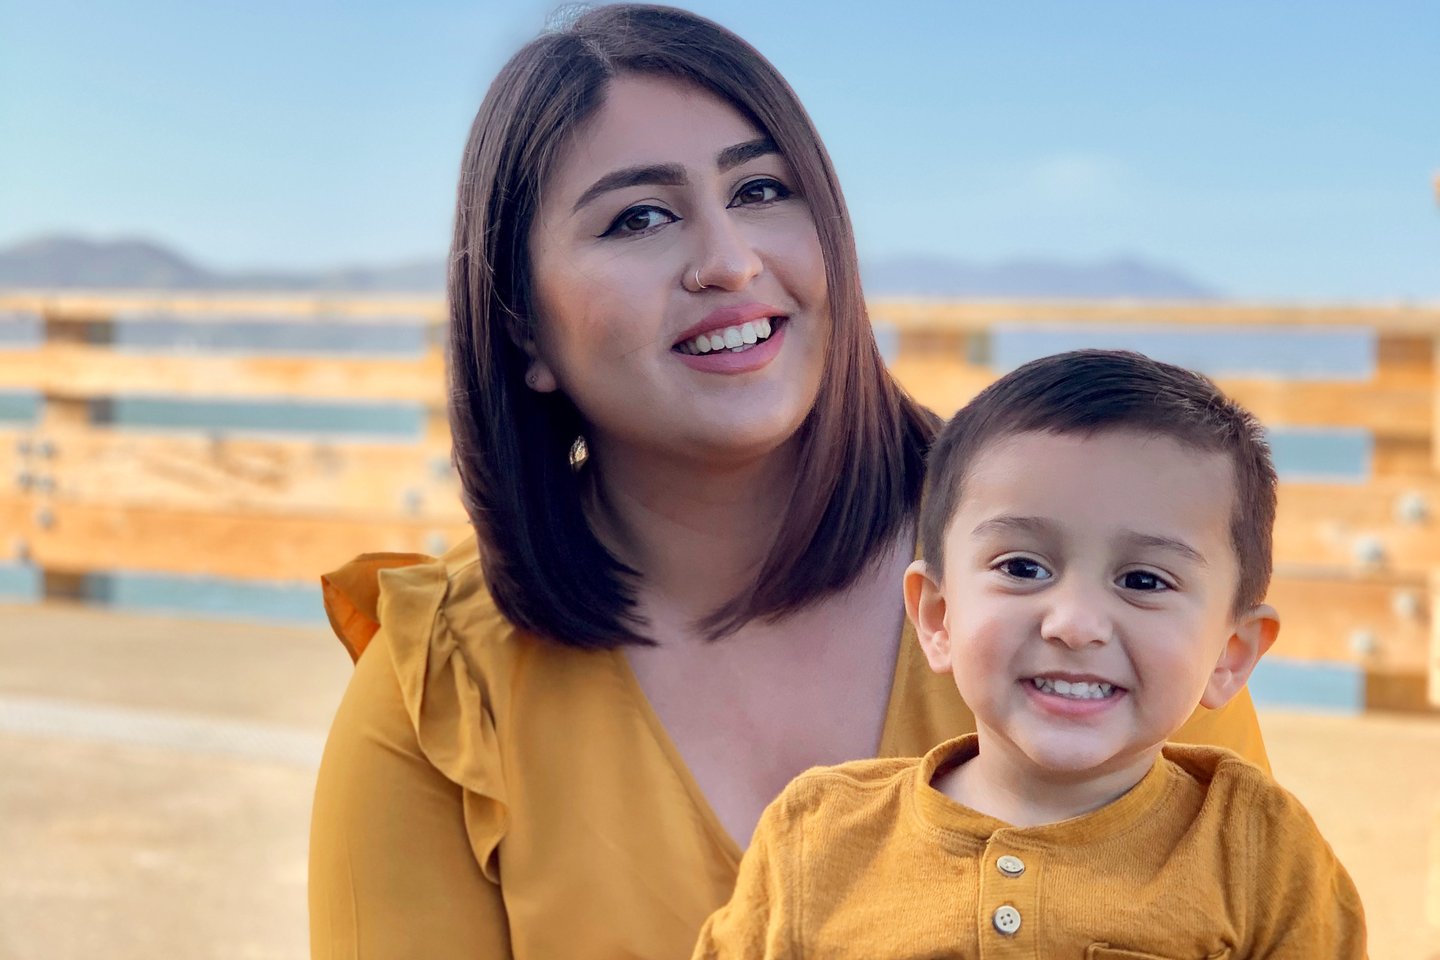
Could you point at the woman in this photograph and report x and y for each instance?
(693, 485)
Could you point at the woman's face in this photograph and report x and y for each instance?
(664, 181)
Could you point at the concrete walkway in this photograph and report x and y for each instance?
(155, 781)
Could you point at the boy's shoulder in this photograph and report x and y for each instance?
(1231, 784)
(855, 789)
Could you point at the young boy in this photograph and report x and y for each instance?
(1096, 539)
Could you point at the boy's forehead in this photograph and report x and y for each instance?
(1114, 470)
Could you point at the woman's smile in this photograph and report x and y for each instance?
(733, 340)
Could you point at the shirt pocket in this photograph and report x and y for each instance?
(1103, 951)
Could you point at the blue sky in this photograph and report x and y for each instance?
(1274, 150)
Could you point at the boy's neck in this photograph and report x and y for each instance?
(1014, 790)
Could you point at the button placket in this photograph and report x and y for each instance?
(1008, 901)
(1006, 920)
(1010, 865)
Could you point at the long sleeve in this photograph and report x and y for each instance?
(1305, 903)
(757, 921)
(392, 869)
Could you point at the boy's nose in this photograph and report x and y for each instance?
(1077, 619)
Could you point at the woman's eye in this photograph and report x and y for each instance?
(1023, 568)
(1143, 580)
(760, 191)
(639, 219)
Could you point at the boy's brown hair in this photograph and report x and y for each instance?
(1087, 391)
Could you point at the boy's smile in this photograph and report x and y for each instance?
(1085, 606)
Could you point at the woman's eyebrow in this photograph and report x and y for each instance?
(672, 174)
(742, 152)
(663, 174)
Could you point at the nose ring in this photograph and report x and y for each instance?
(698, 284)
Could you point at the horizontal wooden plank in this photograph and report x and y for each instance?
(1401, 456)
(1402, 501)
(121, 467)
(1400, 691)
(946, 384)
(981, 315)
(222, 307)
(904, 312)
(79, 538)
(1378, 622)
(74, 370)
(1387, 524)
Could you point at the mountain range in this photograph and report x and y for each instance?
(74, 262)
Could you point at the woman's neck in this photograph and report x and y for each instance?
(697, 532)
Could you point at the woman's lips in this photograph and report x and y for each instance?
(744, 359)
(718, 320)
(737, 338)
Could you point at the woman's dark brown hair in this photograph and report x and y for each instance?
(862, 446)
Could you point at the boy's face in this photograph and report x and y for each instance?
(1085, 607)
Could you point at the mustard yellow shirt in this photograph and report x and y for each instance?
(1205, 858)
(487, 794)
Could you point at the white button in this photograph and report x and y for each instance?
(1006, 920)
(1010, 866)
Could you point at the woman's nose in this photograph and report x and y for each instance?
(727, 258)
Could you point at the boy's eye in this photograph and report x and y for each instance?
(1023, 568)
(1143, 580)
(639, 219)
(765, 190)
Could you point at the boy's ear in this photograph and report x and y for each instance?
(925, 606)
(1255, 631)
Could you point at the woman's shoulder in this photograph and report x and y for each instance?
(413, 594)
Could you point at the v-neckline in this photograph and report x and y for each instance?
(718, 833)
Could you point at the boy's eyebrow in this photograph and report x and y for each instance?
(1167, 543)
(1004, 523)
(1132, 538)
(673, 174)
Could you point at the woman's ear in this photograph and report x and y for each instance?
(539, 377)
(1253, 635)
(925, 606)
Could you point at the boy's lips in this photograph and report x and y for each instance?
(1073, 686)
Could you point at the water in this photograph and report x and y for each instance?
(1308, 684)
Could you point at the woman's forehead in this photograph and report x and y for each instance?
(650, 121)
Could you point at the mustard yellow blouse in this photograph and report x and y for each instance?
(487, 794)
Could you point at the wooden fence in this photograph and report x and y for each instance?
(1357, 563)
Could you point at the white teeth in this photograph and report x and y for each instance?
(729, 338)
(1078, 690)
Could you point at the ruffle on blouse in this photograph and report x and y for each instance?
(452, 716)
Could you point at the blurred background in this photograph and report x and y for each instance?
(222, 241)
